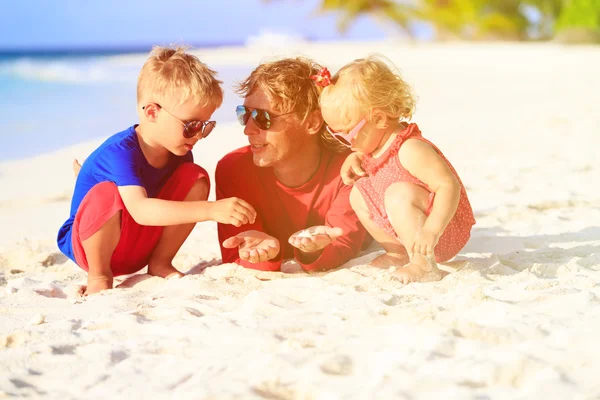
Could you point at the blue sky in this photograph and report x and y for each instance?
(47, 24)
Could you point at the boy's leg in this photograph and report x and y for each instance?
(99, 249)
(188, 183)
(395, 253)
(96, 234)
(406, 206)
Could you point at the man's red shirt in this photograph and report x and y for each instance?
(281, 211)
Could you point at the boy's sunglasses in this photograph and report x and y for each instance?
(199, 129)
(346, 138)
(262, 118)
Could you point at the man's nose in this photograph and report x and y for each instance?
(251, 128)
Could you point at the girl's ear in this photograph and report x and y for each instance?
(314, 122)
(379, 119)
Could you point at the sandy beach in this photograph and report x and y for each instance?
(517, 318)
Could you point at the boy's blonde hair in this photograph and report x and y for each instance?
(171, 74)
(366, 84)
(287, 83)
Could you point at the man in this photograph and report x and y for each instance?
(290, 174)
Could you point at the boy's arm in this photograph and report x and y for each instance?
(344, 247)
(424, 163)
(157, 212)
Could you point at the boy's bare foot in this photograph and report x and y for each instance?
(166, 271)
(98, 284)
(419, 269)
(76, 167)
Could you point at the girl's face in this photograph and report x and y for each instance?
(360, 134)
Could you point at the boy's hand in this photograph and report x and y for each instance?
(314, 238)
(351, 169)
(254, 246)
(232, 211)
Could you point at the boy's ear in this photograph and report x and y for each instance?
(314, 122)
(151, 110)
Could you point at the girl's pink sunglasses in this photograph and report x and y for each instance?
(346, 138)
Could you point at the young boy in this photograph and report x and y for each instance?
(139, 195)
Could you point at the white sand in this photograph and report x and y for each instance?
(519, 319)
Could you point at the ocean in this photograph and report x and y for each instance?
(50, 101)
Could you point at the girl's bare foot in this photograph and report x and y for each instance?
(387, 260)
(419, 269)
(166, 271)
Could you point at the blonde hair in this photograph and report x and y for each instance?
(287, 83)
(366, 84)
(170, 73)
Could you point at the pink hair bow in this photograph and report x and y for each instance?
(322, 78)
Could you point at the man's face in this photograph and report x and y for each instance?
(282, 141)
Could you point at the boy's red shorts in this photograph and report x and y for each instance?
(137, 242)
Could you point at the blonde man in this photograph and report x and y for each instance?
(290, 174)
(138, 195)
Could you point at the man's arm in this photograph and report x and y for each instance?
(344, 247)
(226, 186)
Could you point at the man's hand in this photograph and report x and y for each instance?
(315, 238)
(351, 169)
(232, 211)
(254, 246)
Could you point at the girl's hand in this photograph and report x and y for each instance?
(424, 243)
(254, 246)
(314, 238)
(351, 170)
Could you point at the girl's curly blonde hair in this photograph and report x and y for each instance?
(287, 83)
(367, 84)
(171, 73)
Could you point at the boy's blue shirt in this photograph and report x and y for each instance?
(119, 160)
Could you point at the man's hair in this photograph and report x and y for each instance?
(170, 73)
(370, 83)
(287, 83)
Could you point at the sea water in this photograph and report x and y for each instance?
(48, 101)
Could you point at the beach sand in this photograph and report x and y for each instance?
(518, 318)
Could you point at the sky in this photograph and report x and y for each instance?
(60, 24)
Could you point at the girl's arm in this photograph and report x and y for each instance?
(424, 163)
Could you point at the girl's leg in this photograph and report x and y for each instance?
(395, 253)
(188, 183)
(406, 206)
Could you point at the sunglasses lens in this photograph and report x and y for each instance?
(341, 139)
(192, 129)
(208, 128)
(242, 115)
(262, 118)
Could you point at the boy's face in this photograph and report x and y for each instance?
(282, 142)
(170, 120)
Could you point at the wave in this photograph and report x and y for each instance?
(76, 70)
(269, 38)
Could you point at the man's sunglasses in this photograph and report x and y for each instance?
(262, 118)
(346, 138)
(199, 129)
